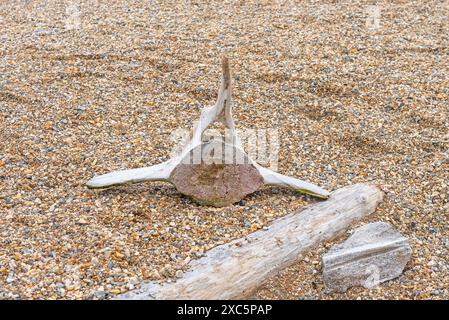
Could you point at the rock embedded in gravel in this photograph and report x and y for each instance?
(373, 254)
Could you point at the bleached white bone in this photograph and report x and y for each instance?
(276, 179)
(159, 172)
(222, 111)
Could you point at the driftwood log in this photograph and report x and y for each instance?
(235, 269)
(219, 183)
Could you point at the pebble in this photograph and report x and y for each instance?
(10, 279)
(101, 294)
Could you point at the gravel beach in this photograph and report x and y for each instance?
(358, 93)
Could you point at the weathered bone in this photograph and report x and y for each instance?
(221, 111)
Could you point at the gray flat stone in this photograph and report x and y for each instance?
(373, 254)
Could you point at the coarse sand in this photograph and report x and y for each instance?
(358, 93)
